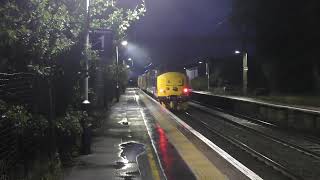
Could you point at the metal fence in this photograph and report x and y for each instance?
(14, 89)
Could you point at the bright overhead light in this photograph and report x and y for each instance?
(124, 43)
(237, 52)
(200, 62)
(129, 59)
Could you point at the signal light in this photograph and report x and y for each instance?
(185, 90)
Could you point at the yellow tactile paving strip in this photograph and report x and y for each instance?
(153, 165)
(202, 167)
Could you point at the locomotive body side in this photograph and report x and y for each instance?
(142, 82)
(151, 78)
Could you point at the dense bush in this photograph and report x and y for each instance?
(69, 130)
(70, 124)
(23, 120)
(18, 116)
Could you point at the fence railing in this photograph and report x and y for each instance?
(15, 88)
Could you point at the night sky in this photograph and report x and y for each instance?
(182, 31)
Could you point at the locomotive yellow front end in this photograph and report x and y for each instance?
(173, 91)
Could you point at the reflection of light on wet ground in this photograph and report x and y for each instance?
(126, 164)
(163, 148)
(125, 161)
(129, 152)
(170, 162)
(133, 109)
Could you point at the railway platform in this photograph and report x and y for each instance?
(265, 102)
(142, 140)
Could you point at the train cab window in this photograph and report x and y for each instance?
(180, 82)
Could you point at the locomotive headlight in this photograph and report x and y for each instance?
(161, 90)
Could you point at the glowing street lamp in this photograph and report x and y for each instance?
(237, 52)
(130, 59)
(207, 73)
(124, 43)
(244, 70)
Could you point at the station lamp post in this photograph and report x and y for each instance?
(86, 78)
(123, 43)
(244, 70)
(207, 73)
(131, 60)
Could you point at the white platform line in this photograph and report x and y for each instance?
(246, 171)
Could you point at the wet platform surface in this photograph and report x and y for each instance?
(122, 148)
(142, 140)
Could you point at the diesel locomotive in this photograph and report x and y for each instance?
(170, 88)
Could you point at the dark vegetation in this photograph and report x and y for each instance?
(42, 52)
(286, 35)
(285, 56)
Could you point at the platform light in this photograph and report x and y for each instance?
(124, 43)
(237, 52)
(200, 62)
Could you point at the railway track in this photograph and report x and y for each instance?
(294, 157)
(308, 145)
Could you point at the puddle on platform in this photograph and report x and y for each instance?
(130, 175)
(129, 152)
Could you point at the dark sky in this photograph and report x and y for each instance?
(183, 17)
(182, 31)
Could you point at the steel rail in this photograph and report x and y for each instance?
(272, 138)
(269, 162)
